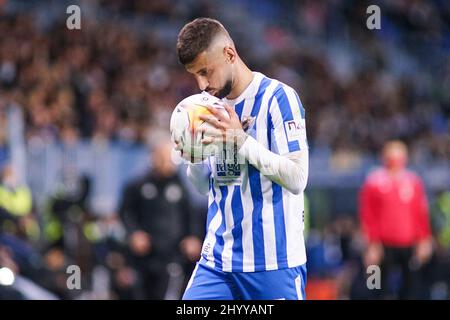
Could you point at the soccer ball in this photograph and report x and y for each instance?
(185, 123)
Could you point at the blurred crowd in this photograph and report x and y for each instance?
(111, 81)
(117, 80)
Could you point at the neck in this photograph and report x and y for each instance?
(242, 80)
(394, 171)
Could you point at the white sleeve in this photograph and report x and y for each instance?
(199, 174)
(289, 171)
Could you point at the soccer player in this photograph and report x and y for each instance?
(254, 247)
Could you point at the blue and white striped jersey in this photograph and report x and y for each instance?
(253, 224)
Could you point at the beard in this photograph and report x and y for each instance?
(226, 89)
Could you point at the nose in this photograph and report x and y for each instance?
(202, 83)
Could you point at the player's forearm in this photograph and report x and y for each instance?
(198, 177)
(290, 171)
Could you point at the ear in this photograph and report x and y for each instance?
(230, 54)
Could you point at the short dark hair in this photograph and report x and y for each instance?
(196, 37)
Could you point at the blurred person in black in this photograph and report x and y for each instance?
(163, 230)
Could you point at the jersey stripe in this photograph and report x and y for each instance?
(258, 236)
(212, 208)
(214, 221)
(247, 225)
(218, 247)
(238, 215)
(286, 114)
(270, 246)
(239, 108)
(302, 109)
(294, 228)
(227, 253)
(298, 112)
(259, 96)
(280, 229)
(247, 207)
(255, 187)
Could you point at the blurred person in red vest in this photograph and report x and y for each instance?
(393, 209)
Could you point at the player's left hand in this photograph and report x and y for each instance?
(227, 130)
